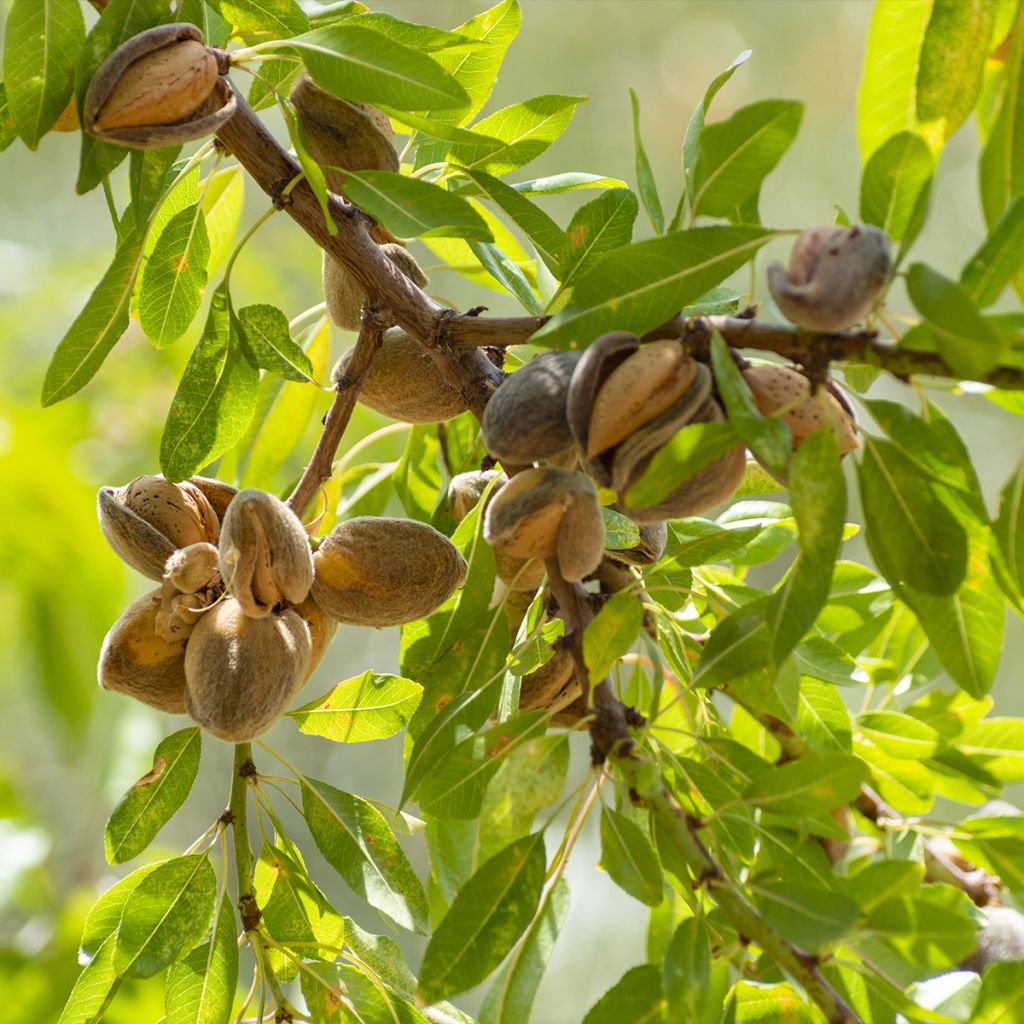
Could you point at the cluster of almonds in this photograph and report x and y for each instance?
(245, 609)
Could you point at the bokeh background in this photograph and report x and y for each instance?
(67, 751)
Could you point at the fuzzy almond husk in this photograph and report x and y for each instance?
(374, 571)
(147, 520)
(835, 277)
(653, 540)
(637, 391)
(322, 628)
(777, 388)
(136, 662)
(265, 556)
(548, 512)
(192, 568)
(554, 685)
(241, 672)
(525, 419)
(345, 298)
(404, 383)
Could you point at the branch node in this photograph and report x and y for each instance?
(227, 818)
(247, 769)
(249, 912)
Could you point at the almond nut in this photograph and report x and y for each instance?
(374, 571)
(241, 672)
(343, 294)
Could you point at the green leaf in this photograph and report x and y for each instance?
(266, 331)
(1001, 171)
(810, 916)
(97, 328)
(420, 37)
(488, 915)
(1009, 527)
(42, 39)
(175, 276)
(620, 532)
(687, 974)
(886, 102)
(165, 916)
(597, 227)
(368, 707)
(952, 64)
(736, 155)
(155, 798)
(644, 175)
(636, 997)
(895, 186)
(216, 31)
(148, 178)
(899, 734)
(695, 128)
(998, 259)
(524, 130)
(93, 988)
(629, 858)
(510, 998)
(201, 988)
(998, 745)
(412, 208)
(105, 914)
(611, 634)
(813, 784)
(913, 537)
(967, 341)
(505, 271)
(740, 641)
(547, 237)
(289, 416)
(281, 18)
(923, 932)
(223, 200)
(640, 286)
(1002, 994)
(456, 784)
(8, 131)
(568, 181)
(356, 841)
(361, 65)
(215, 400)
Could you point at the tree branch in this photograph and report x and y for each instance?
(321, 464)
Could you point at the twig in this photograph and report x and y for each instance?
(320, 467)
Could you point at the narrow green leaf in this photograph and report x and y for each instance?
(695, 127)
(510, 998)
(174, 278)
(736, 155)
(365, 66)
(507, 273)
(569, 181)
(488, 915)
(886, 102)
(997, 744)
(913, 537)
(93, 988)
(738, 644)
(413, 208)
(998, 259)
(597, 227)
(266, 331)
(201, 988)
(8, 131)
(812, 784)
(810, 916)
(629, 858)
(923, 932)
(1001, 998)
(636, 997)
(642, 285)
(281, 18)
(547, 237)
(971, 344)
(368, 707)
(456, 784)
(356, 841)
(524, 130)
(646, 184)
(687, 974)
(216, 31)
(440, 131)
(1009, 527)
(147, 178)
(223, 200)
(105, 914)
(899, 734)
(620, 532)
(611, 634)
(155, 798)
(420, 37)
(165, 916)
(42, 39)
(215, 400)
(952, 65)
(97, 328)
(895, 186)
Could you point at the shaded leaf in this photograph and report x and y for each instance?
(807, 786)
(201, 988)
(810, 916)
(266, 331)
(597, 227)
(895, 186)
(687, 973)
(998, 259)
(611, 634)
(636, 998)
(629, 858)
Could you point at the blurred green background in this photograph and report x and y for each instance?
(67, 751)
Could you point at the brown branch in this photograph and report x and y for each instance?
(321, 464)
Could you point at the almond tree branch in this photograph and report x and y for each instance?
(321, 464)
